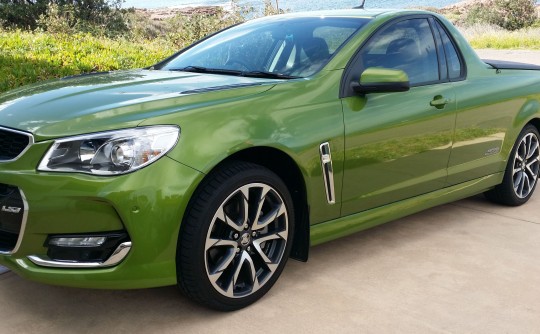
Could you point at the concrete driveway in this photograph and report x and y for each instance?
(465, 267)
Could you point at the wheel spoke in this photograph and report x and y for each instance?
(531, 173)
(270, 217)
(518, 182)
(245, 204)
(245, 258)
(224, 263)
(260, 204)
(220, 214)
(211, 242)
(258, 241)
(533, 146)
(522, 185)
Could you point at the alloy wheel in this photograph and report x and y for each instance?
(526, 165)
(246, 240)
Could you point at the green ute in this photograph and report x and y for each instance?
(212, 168)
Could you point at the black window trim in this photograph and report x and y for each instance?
(463, 74)
(441, 53)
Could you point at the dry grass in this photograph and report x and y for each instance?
(482, 36)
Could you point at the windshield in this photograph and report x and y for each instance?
(280, 47)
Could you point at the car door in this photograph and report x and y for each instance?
(397, 145)
(483, 117)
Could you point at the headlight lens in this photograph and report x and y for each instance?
(110, 153)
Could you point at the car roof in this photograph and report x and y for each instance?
(352, 12)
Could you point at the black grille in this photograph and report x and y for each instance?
(12, 144)
(11, 216)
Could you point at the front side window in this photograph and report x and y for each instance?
(406, 45)
(297, 47)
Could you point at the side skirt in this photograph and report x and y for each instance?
(344, 226)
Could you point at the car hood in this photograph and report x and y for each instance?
(105, 101)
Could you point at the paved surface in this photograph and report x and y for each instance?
(524, 56)
(465, 267)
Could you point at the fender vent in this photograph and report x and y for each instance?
(13, 143)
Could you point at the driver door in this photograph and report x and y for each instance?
(397, 145)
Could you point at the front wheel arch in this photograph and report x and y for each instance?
(288, 170)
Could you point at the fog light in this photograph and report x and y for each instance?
(78, 242)
(84, 247)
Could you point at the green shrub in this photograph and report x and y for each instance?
(88, 15)
(141, 26)
(182, 30)
(508, 14)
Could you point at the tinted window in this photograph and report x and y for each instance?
(455, 69)
(406, 45)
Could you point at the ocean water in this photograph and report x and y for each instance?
(293, 5)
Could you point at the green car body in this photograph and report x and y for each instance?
(391, 153)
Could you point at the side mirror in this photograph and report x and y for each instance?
(382, 80)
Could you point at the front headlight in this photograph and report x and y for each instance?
(110, 153)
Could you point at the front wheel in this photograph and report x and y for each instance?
(521, 173)
(236, 237)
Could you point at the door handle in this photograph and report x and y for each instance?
(439, 102)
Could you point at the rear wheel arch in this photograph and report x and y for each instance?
(522, 170)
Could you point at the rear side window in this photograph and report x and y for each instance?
(455, 66)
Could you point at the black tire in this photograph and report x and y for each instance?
(225, 261)
(521, 174)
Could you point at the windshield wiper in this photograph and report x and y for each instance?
(251, 74)
(270, 75)
(200, 69)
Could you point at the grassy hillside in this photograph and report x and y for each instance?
(27, 57)
(482, 36)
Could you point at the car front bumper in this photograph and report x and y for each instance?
(146, 205)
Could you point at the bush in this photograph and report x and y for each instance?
(508, 14)
(142, 27)
(182, 30)
(83, 16)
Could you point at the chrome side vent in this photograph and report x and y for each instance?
(328, 172)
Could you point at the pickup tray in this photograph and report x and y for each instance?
(510, 65)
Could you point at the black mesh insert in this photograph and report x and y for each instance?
(11, 216)
(12, 144)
